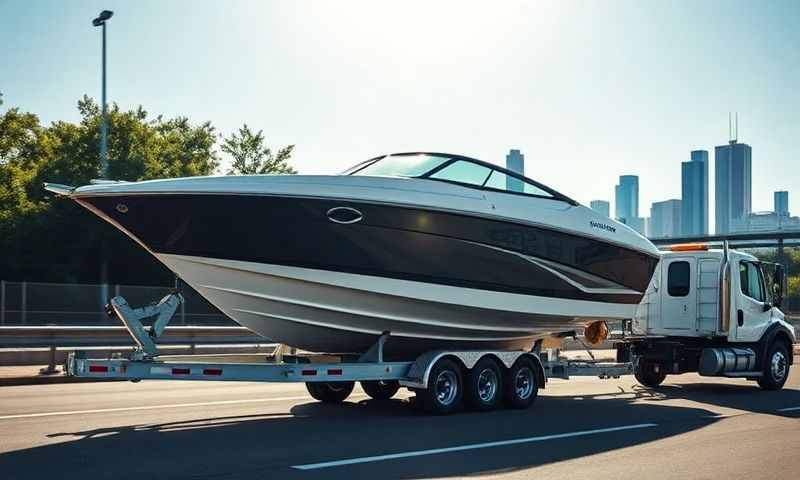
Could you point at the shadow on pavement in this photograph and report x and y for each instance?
(266, 446)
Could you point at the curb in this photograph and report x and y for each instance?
(49, 380)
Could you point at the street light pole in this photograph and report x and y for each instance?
(97, 22)
(104, 125)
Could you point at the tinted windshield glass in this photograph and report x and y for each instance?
(455, 168)
(464, 172)
(501, 181)
(402, 165)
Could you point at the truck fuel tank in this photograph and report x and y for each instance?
(719, 361)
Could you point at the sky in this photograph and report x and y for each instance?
(587, 90)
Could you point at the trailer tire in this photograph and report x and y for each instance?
(445, 388)
(330, 392)
(484, 386)
(776, 367)
(380, 389)
(647, 375)
(521, 384)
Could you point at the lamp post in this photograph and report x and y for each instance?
(100, 21)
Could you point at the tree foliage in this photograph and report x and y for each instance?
(44, 238)
(250, 155)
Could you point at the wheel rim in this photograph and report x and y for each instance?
(487, 385)
(523, 383)
(778, 366)
(446, 387)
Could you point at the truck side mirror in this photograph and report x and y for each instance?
(778, 285)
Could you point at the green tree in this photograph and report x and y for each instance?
(251, 156)
(43, 238)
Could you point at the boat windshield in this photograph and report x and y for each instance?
(399, 165)
(454, 169)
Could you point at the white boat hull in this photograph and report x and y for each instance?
(326, 311)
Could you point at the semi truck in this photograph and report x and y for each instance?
(714, 311)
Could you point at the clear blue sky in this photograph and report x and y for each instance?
(587, 90)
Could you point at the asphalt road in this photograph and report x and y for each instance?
(692, 427)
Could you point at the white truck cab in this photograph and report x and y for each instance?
(714, 311)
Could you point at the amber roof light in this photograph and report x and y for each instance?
(688, 247)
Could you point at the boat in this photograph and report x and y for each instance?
(440, 250)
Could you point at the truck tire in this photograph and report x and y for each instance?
(647, 375)
(330, 392)
(484, 387)
(776, 367)
(521, 384)
(445, 388)
(380, 389)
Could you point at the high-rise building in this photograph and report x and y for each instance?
(694, 194)
(640, 224)
(782, 203)
(515, 161)
(764, 222)
(733, 178)
(601, 206)
(665, 219)
(627, 197)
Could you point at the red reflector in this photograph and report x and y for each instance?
(334, 371)
(98, 369)
(309, 372)
(180, 371)
(212, 371)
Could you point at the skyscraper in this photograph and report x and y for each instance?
(665, 219)
(694, 194)
(627, 197)
(782, 203)
(733, 172)
(515, 161)
(601, 206)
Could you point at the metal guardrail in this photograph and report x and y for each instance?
(52, 336)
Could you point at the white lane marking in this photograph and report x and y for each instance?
(156, 407)
(474, 446)
(789, 409)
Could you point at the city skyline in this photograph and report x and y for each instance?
(558, 80)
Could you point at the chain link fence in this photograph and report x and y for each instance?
(71, 304)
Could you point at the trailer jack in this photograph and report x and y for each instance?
(145, 338)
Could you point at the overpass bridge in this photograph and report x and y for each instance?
(778, 239)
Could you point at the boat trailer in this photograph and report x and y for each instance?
(434, 371)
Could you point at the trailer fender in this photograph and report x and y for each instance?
(420, 371)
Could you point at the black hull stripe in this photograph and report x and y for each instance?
(394, 242)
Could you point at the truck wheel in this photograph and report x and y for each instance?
(776, 367)
(647, 375)
(485, 385)
(330, 392)
(380, 389)
(445, 388)
(521, 385)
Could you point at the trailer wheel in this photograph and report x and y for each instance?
(330, 392)
(380, 389)
(521, 384)
(445, 388)
(649, 374)
(484, 387)
(776, 367)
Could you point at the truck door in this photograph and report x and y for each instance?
(751, 319)
(679, 304)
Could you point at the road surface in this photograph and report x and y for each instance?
(692, 427)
